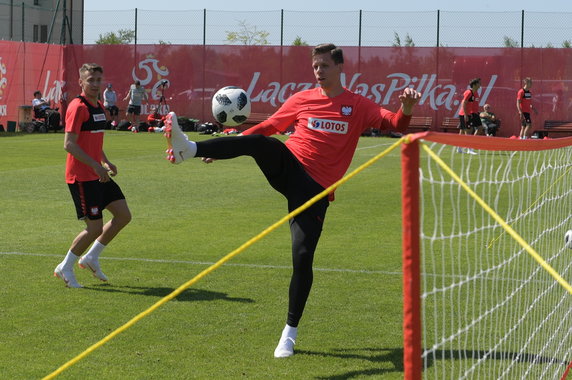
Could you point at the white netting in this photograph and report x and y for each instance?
(489, 311)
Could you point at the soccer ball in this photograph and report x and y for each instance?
(231, 106)
(568, 239)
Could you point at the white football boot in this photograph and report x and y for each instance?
(67, 276)
(285, 348)
(93, 265)
(178, 149)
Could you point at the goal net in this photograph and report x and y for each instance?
(486, 269)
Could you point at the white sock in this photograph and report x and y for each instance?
(95, 250)
(192, 150)
(69, 260)
(290, 332)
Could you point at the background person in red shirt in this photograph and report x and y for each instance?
(469, 120)
(524, 106)
(88, 176)
(328, 122)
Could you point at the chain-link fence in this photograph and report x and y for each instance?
(286, 27)
(351, 28)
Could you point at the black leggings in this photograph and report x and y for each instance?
(285, 174)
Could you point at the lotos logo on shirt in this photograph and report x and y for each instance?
(326, 125)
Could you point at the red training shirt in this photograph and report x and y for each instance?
(525, 97)
(472, 103)
(327, 129)
(90, 141)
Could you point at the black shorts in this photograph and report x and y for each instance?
(113, 110)
(526, 119)
(135, 110)
(473, 122)
(92, 197)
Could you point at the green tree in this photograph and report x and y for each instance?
(123, 36)
(409, 40)
(397, 40)
(299, 42)
(510, 42)
(567, 44)
(247, 35)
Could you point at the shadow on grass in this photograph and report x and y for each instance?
(395, 357)
(520, 357)
(374, 355)
(186, 295)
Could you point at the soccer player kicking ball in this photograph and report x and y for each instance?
(88, 176)
(328, 122)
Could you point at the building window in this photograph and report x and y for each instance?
(36, 2)
(40, 33)
(43, 33)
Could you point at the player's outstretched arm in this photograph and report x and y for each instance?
(409, 99)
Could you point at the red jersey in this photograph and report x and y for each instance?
(326, 130)
(525, 98)
(86, 125)
(472, 103)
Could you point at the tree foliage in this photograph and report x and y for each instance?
(510, 42)
(407, 42)
(123, 36)
(299, 42)
(247, 35)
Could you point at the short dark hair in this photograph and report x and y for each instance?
(474, 82)
(335, 52)
(37, 93)
(90, 67)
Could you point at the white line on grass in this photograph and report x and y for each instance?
(264, 266)
(209, 263)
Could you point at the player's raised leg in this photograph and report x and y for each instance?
(179, 148)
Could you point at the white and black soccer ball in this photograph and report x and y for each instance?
(568, 239)
(231, 106)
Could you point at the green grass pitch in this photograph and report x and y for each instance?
(184, 218)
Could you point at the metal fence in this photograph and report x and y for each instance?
(284, 27)
(352, 28)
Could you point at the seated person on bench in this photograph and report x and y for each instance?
(42, 110)
(489, 120)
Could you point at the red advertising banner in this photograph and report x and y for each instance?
(25, 68)
(193, 73)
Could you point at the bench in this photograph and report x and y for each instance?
(554, 127)
(450, 124)
(420, 123)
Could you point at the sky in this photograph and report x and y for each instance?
(334, 5)
(158, 21)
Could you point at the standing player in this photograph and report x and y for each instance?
(328, 122)
(136, 96)
(469, 120)
(87, 175)
(110, 104)
(524, 106)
